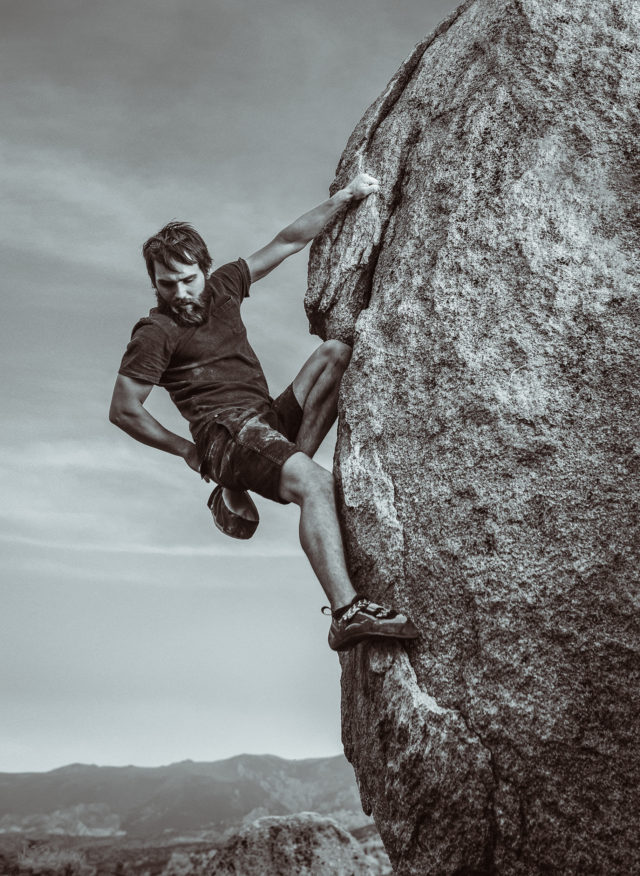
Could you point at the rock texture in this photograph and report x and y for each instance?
(293, 845)
(488, 453)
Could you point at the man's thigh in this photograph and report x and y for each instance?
(289, 413)
(327, 353)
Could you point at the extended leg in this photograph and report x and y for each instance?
(311, 487)
(355, 618)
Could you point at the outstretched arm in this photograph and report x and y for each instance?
(128, 412)
(296, 236)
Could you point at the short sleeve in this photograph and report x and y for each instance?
(148, 353)
(233, 279)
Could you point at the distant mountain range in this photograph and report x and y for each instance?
(184, 798)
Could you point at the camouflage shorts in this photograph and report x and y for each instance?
(245, 450)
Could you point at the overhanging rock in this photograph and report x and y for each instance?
(489, 441)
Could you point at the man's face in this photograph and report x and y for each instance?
(181, 288)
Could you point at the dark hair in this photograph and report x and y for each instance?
(176, 242)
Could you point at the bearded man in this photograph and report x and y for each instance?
(195, 345)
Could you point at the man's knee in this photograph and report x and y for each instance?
(336, 353)
(302, 479)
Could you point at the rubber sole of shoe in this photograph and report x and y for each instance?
(409, 633)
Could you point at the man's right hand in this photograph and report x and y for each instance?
(190, 456)
(128, 413)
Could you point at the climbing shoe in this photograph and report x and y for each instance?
(228, 521)
(363, 619)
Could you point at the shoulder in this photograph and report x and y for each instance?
(153, 343)
(233, 278)
(156, 325)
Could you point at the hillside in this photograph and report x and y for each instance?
(182, 798)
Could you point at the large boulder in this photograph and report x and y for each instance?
(488, 451)
(306, 844)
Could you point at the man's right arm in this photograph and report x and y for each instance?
(127, 411)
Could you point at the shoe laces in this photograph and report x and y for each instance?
(353, 609)
(371, 608)
(381, 611)
(349, 613)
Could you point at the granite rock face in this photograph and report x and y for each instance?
(488, 456)
(306, 844)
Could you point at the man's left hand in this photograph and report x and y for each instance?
(362, 186)
(296, 236)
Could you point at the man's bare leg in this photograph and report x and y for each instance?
(316, 388)
(312, 488)
(355, 617)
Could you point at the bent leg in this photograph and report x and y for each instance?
(316, 388)
(311, 487)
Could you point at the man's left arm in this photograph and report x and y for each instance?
(296, 236)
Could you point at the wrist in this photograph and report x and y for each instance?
(344, 196)
(184, 448)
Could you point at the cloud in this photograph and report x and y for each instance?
(76, 455)
(83, 210)
(105, 497)
(281, 549)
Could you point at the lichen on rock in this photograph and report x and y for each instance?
(488, 456)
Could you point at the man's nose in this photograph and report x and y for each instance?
(181, 291)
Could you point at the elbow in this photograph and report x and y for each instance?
(284, 238)
(292, 240)
(119, 416)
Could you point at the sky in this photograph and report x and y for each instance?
(131, 630)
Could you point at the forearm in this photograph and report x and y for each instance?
(309, 224)
(139, 424)
(296, 236)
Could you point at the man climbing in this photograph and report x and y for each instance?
(195, 345)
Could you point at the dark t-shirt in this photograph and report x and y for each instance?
(207, 369)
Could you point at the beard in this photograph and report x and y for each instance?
(192, 313)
